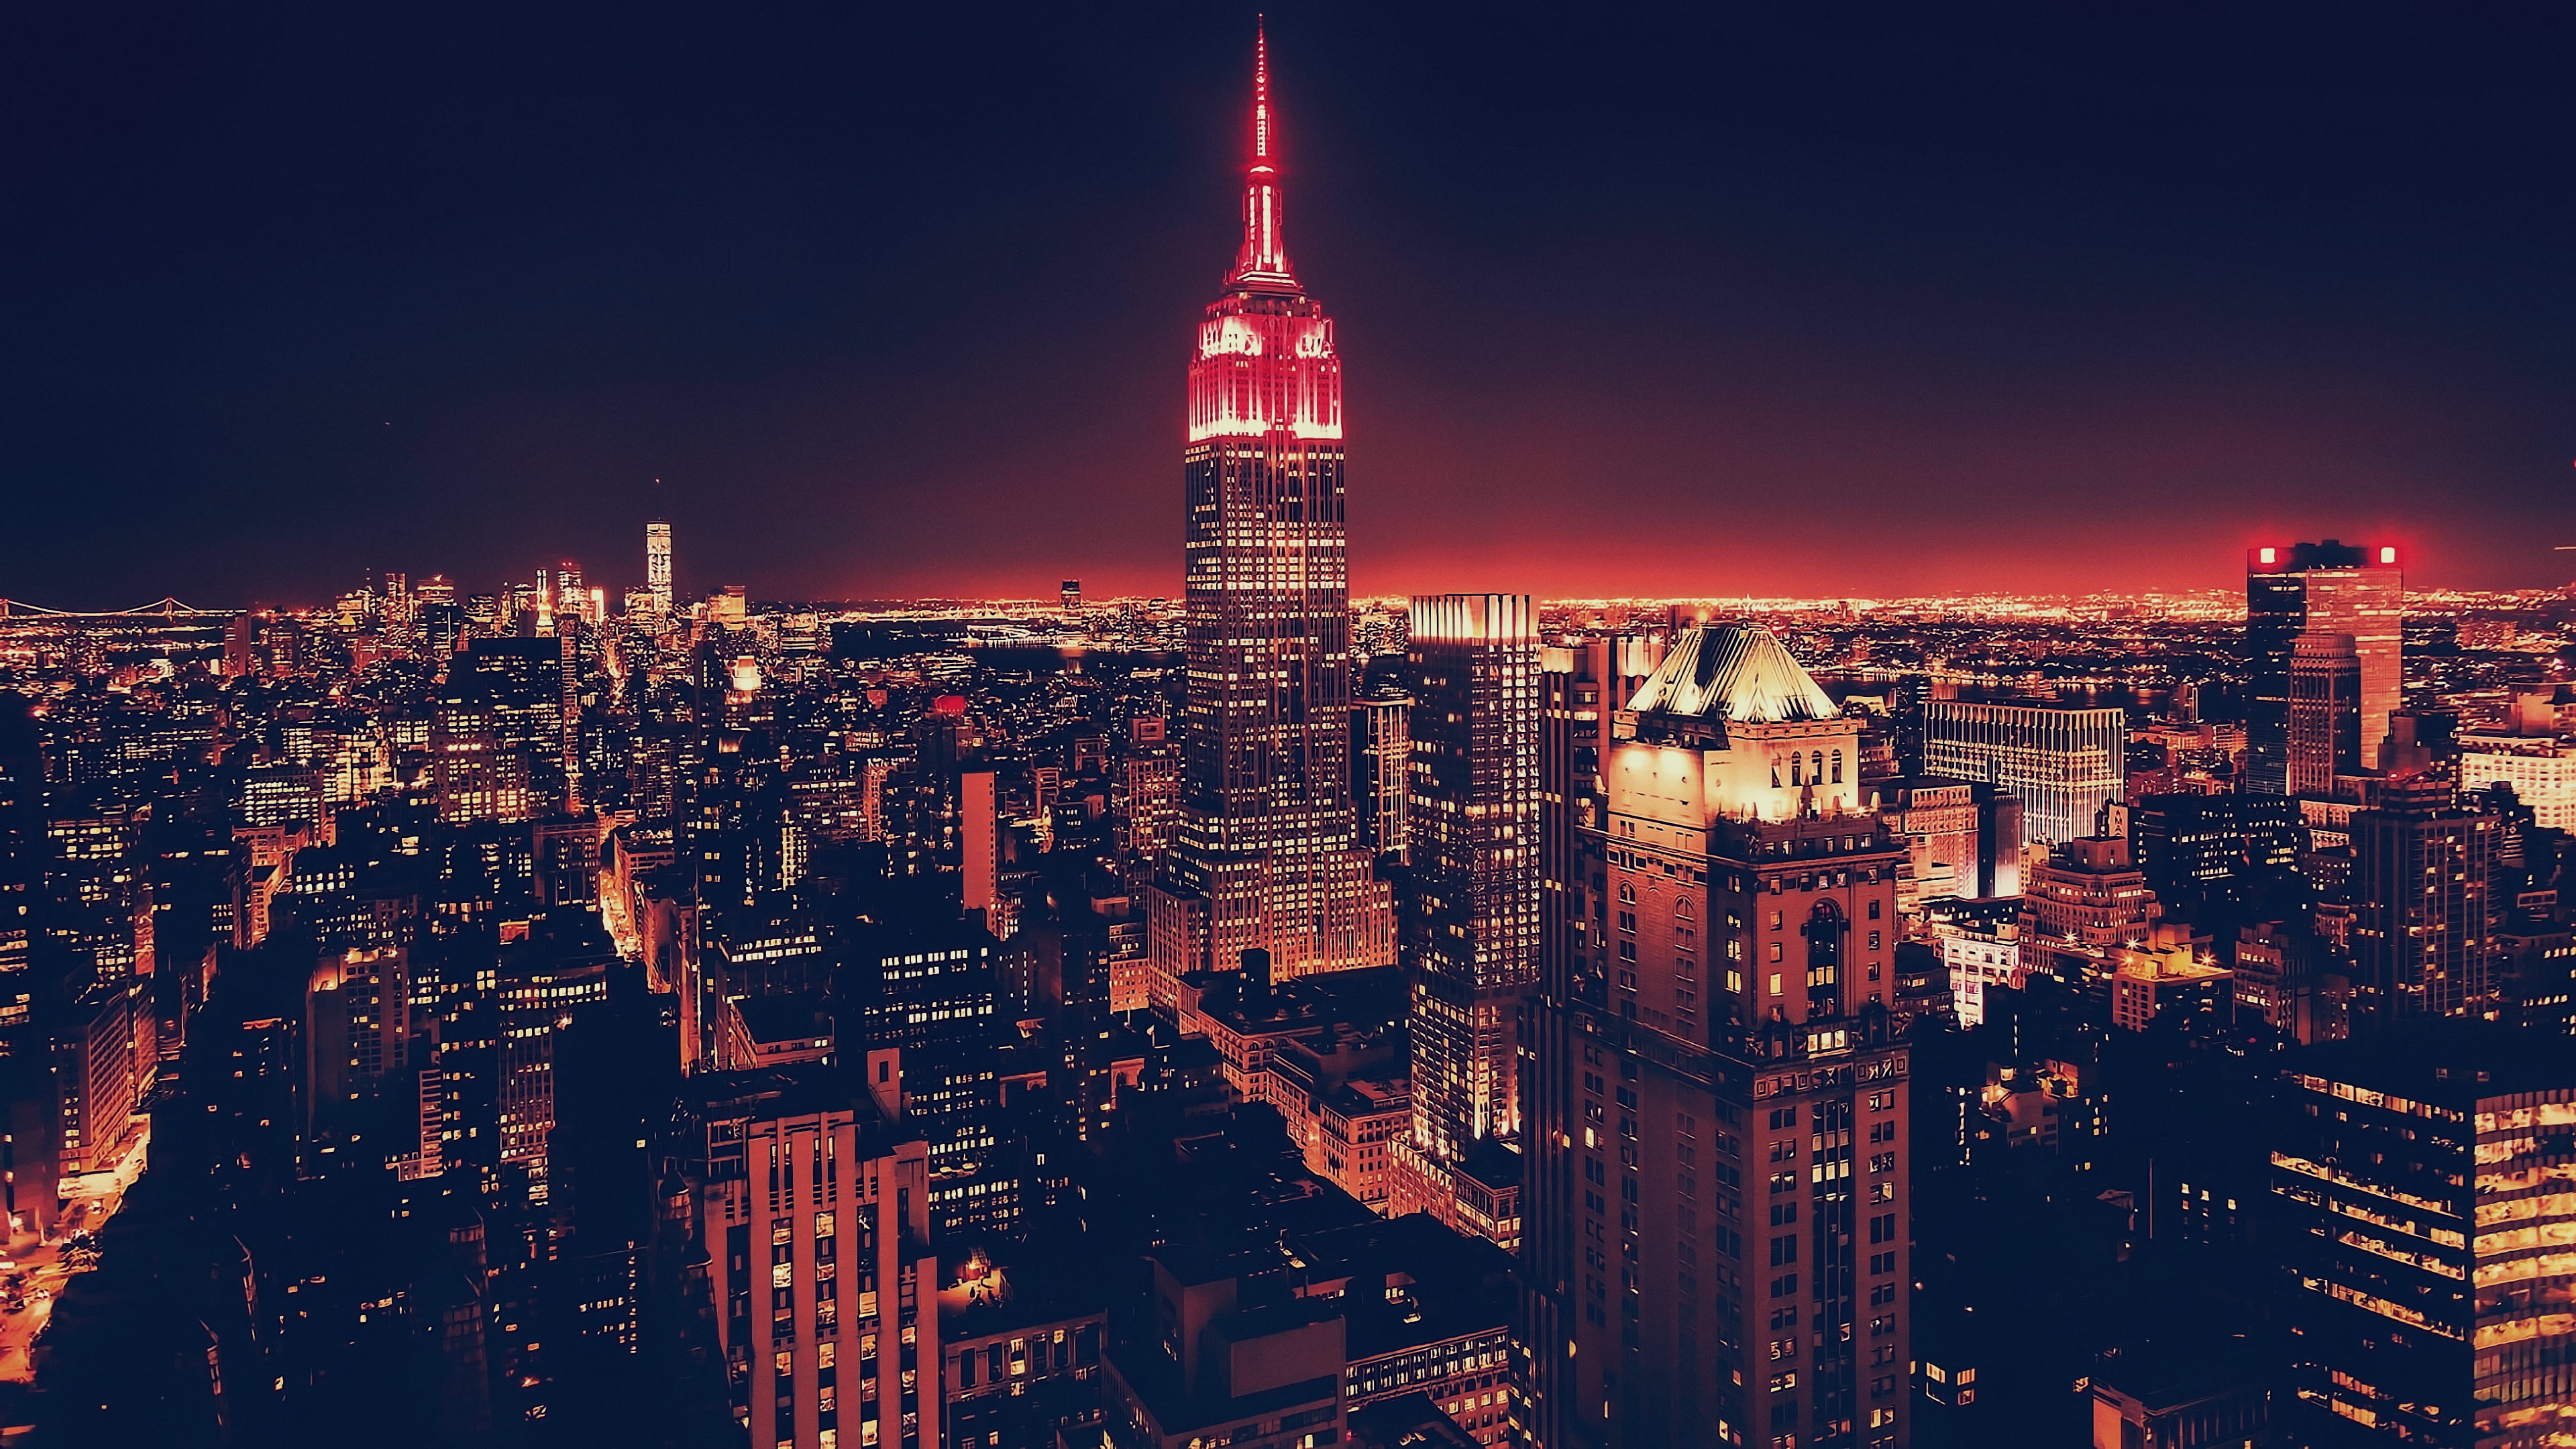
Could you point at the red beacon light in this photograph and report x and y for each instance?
(2267, 555)
(2388, 555)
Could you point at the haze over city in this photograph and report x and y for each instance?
(1865, 301)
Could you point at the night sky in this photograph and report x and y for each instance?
(1823, 300)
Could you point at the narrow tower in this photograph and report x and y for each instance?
(1267, 854)
(657, 564)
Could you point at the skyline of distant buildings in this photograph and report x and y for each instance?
(1257, 1017)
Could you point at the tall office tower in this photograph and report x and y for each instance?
(500, 741)
(2322, 718)
(1717, 1181)
(359, 1021)
(2325, 588)
(817, 1226)
(1471, 930)
(1382, 769)
(1581, 687)
(2423, 1217)
(1150, 799)
(1070, 596)
(657, 564)
(1268, 854)
(2064, 764)
(2422, 937)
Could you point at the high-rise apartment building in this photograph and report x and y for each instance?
(2423, 940)
(1267, 855)
(1471, 934)
(2323, 714)
(1150, 800)
(2325, 588)
(1716, 1213)
(931, 994)
(2424, 1217)
(657, 564)
(816, 1219)
(2064, 764)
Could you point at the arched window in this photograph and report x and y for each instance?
(1816, 767)
(1794, 781)
(1825, 930)
(1627, 894)
(1775, 772)
(1682, 909)
(1838, 767)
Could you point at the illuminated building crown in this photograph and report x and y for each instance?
(1732, 672)
(1265, 362)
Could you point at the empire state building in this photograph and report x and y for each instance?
(1267, 854)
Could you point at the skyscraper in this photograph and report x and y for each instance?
(1581, 686)
(1268, 853)
(2323, 713)
(2063, 763)
(1717, 1110)
(657, 564)
(1382, 760)
(2422, 880)
(2328, 588)
(1471, 937)
(501, 745)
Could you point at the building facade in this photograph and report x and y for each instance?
(1267, 853)
(2064, 764)
(2422, 1185)
(2328, 588)
(2323, 715)
(1581, 687)
(2423, 940)
(1716, 1201)
(2541, 769)
(1382, 770)
(1471, 937)
(816, 1219)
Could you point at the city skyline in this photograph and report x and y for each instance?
(560, 987)
(2181, 304)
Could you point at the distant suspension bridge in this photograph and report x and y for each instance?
(18, 611)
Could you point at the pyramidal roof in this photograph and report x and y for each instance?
(1735, 672)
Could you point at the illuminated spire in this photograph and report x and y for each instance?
(1263, 262)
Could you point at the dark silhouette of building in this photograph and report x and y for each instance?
(2321, 588)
